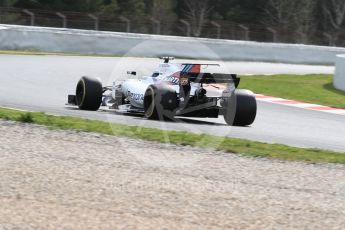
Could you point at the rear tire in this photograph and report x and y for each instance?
(241, 109)
(160, 102)
(89, 94)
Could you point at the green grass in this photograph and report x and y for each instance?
(316, 89)
(44, 53)
(37, 52)
(25, 118)
(230, 145)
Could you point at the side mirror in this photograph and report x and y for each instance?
(132, 73)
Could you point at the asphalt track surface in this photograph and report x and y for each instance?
(41, 83)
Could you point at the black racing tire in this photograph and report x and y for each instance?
(246, 109)
(229, 108)
(160, 102)
(89, 94)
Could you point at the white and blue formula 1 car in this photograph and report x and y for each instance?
(174, 89)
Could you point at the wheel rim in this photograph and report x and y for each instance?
(80, 93)
(149, 105)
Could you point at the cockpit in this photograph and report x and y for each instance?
(155, 74)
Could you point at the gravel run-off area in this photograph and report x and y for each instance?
(54, 179)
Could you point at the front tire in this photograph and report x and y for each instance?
(89, 94)
(160, 102)
(241, 108)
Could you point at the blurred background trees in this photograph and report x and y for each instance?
(301, 21)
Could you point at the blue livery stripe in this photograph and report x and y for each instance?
(187, 68)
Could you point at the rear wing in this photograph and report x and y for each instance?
(209, 78)
(193, 73)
